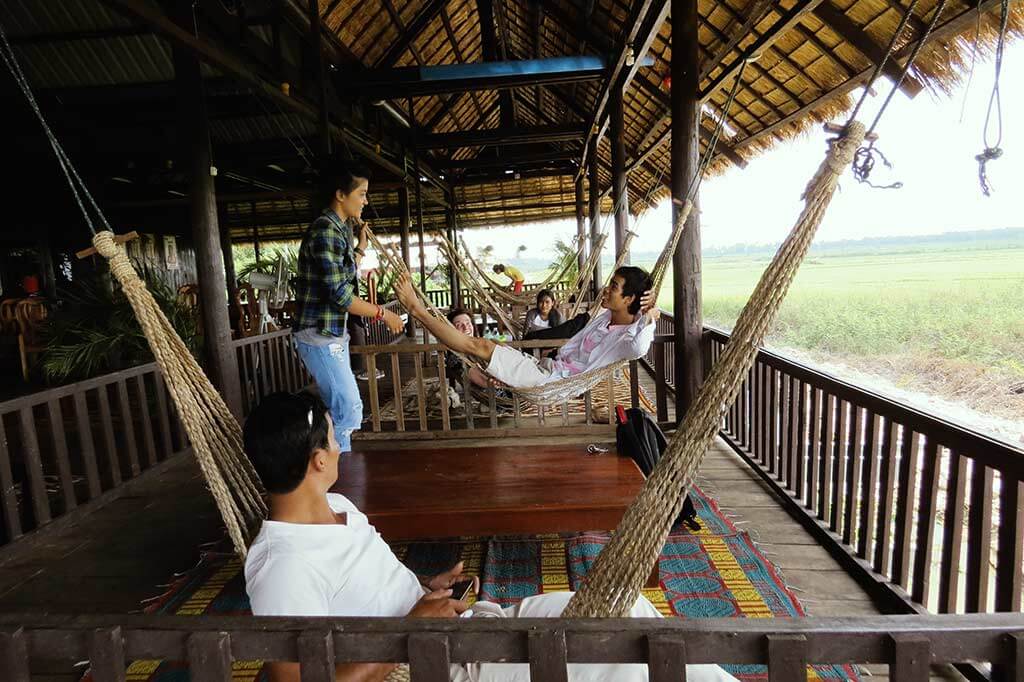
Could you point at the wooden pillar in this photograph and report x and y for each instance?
(419, 228)
(221, 364)
(229, 266)
(319, 72)
(581, 222)
(686, 284)
(403, 224)
(454, 285)
(594, 213)
(620, 189)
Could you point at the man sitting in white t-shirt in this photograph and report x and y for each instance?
(318, 556)
(623, 330)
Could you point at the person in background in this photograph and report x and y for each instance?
(325, 295)
(545, 315)
(513, 274)
(463, 321)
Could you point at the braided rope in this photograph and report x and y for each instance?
(621, 569)
(214, 432)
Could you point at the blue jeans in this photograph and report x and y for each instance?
(331, 368)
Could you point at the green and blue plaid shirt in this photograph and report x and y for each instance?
(327, 275)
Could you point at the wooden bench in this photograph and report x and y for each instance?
(447, 492)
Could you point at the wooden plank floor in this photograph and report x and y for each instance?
(119, 555)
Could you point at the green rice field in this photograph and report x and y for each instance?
(945, 321)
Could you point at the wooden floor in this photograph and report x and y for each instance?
(121, 554)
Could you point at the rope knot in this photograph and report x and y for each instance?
(105, 244)
(989, 154)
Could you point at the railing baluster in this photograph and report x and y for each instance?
(904, 507)
(12, 513)
(209, 657)
(421, 394)
(33, 467)
(316, 656)
(429, 657)
(1008, 549)
(853, 489)
(148, 440)
(660, 389)
(396, 387)
(927, 504)
(492, 406)
(911, 658)
(548, 656)
(106, 655)
(979, 537)
(162, 414)
(85, 444)
(843, 443)
(792, 437)
(814, 455)
(869, 486)
(128, 426)
(950, 584)
(773, 429)
(787, 658)
(801, 441)
(60, 453)
(828, 467)
(14, 655)
(887, 478)
(442, 389)
(108, 436)
(666, 658)
(467, 398)
(371, 374)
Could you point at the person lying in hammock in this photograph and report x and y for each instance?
(623, 330)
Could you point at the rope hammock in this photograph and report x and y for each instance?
(214, 432)
(562, 389)
(526, 298)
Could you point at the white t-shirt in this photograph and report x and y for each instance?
(296, 569)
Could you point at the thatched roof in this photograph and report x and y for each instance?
(814, 54)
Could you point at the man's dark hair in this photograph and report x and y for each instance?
(455, 312)
(498, 267)
(278, 438)
(548, 293)
(635, 282)
(339, 174)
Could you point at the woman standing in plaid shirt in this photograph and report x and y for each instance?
(325, 294)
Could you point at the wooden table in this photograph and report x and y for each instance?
(446, 492)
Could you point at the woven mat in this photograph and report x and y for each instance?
(715, 572)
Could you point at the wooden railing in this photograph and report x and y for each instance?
(268, 363)
(63, 451)
(926, 513)
(908, 645)
(411, 367)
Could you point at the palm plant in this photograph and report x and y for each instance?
(566, 255)
(95, 331)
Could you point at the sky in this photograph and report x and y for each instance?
(932, 151)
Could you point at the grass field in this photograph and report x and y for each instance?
(948, 322)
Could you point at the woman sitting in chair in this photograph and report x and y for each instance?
(623, 330)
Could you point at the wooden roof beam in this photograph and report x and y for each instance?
(533, 158)
(73, 36)
(409, 33)
(621, 73)
(450, 78)
(489, 48)
(446, 22)
(845, 28)
(787, 21)
(500, 136)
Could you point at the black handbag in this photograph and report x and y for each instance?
(638, 436)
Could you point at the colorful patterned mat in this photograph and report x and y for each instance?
(715, 572)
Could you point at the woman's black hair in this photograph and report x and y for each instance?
(279, 438)
(339, 174)
(635, 282)
(546, 292)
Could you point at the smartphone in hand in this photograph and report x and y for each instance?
(460, 590)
